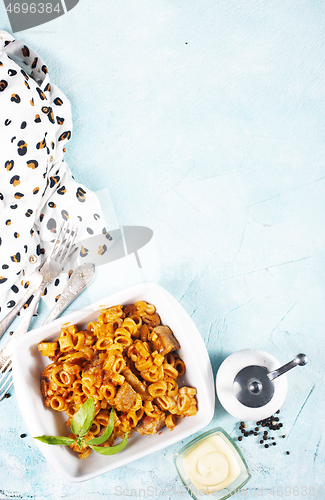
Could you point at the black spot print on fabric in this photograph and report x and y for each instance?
(84, 251)
(51, 204)
(32, 164)
(79, 218)
(23, 72)
(5, 266)
(18, 195)
(57, 101)
(89, 230)
(11, 304)
(45, 292)
(39, 250)
(65, 136)
(13, 207)
(44, 69)
(47, 87)
(26, 84)
(51, 225)
(107, 235)
(15, 180)
(23, 125)
(47, 150)
(26, 284)
(27, 303)
(25, 51)
(32, 101)
(26, 248)
(56, 282)
(29, 212)
(51, 116)
(102, 250)
(37, 119)
(36, 190)
(13, 138)
(54, 180)
(52, 145)
(16, 235)
(15, 98)
(15, 288)
(65, 214)
(3, 85)
(41, 217)
(7, 122)
(41, 145)
(34, 63)
(8, 222)
(81, 195)
(7, 43)
(1, 196)
(1, 64)
(9, 165)
(96, 216)
(22, 148)
(31, 232)
(41, 94)
(62, 190)
(60, 121)
(16, 257)
(12, 72)
(56, 298)
(3, 279)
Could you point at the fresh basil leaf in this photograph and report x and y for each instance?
(55, 440)
(80, 441)
(83, 419)
(110, 450)
(108, 431)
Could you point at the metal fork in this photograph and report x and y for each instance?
(51, 268)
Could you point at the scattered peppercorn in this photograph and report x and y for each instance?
(261, 442)
(277, 411)
(266, 446)
(277, 419)
(11, 333)
(246, 434)
(7, 395)
(256, 429)
(251, 432)
(240, 438)
(283, 435)
(23, 435)
(242, 423)
(287, 452)
(265, 438)
(274, 443)
(255, 433)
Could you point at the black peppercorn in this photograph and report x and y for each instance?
(251, 432)
(23, 435)
(240, 438)
(287, 452)
(266, 446)
(7, 395)
(261, 441)
(255, 434)
(246, 434)
(274, 443)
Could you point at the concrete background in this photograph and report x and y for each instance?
(205, 122)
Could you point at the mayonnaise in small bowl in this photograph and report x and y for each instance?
(212, 464)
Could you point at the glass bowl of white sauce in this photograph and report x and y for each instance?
(212, 464)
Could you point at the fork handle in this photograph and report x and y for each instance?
(8, 319)
(22, 328)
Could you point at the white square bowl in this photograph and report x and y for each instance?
(28, 364)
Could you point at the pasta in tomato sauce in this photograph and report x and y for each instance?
(127, 360)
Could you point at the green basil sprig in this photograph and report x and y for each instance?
(80, 425)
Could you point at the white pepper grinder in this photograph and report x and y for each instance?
(251, 384)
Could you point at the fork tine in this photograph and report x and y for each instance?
(69, 244)
(57, 240)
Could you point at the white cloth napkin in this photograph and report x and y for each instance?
(37, 190)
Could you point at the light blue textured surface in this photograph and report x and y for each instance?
(205, 120)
